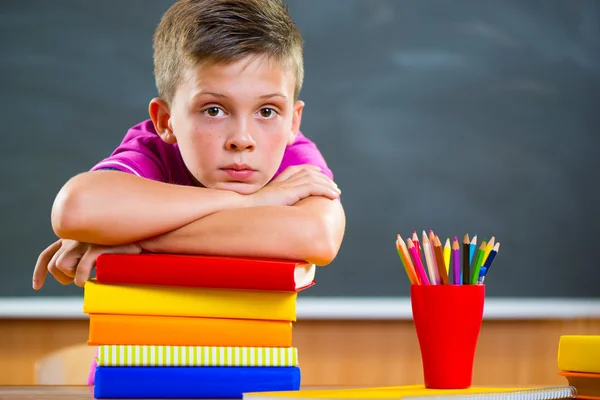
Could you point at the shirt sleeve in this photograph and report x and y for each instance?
(304, 151)
(132, 162)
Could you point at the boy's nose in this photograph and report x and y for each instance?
(240, 142)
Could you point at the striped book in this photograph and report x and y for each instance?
(195, 356)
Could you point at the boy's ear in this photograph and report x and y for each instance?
(160, 114)
(296, 120)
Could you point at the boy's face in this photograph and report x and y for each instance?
(232, 122)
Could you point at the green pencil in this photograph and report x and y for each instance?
(478, 260)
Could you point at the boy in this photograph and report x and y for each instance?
(221, 168)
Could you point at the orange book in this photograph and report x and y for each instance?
(187, 331)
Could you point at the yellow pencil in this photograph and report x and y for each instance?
(447, 255)
(488, 250)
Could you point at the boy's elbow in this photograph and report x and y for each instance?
(323, 255)
(327, 239)
(68, 214)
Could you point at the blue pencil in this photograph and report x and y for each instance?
(485, 268)
(472, 248)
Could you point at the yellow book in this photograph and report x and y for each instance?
(420, 392)
(102, 298)
(579, 353)
(195, 356)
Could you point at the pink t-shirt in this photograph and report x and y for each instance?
(143, 153)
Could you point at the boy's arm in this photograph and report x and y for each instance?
(311, 230)
(113, 208)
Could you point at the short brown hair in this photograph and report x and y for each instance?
(194, 32)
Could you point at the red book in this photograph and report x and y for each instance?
(205, 271)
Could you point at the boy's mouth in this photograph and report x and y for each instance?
(239, 171)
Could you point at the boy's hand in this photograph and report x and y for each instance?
(70, 260)
(294, 184)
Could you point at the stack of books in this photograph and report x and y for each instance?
(186, 326)
(579, 362)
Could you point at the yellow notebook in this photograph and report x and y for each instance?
(195, 356)
(420, 392)
(579, 353)
(102, 298)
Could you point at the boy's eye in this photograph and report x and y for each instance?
(266, 112)
(212, 111)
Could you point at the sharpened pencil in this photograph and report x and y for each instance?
(441, 265)
(477, 264)
(485, 269)
(488, 250)
(405, 258)
(434, 277)
(415, 240)
(417, 262)
(465, 261)
(456, 261)
(447, 255)
(472, 248)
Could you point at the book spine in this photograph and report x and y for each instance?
(191, 382)
(195, 356)
(191, 302)
(189, 272)
(187, 331)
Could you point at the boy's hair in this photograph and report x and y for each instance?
(194, 32)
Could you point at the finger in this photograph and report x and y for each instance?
(316, 189)
(41, 266)
(313, 177)
(293, 170)
(69, 258)
(86, 264)
(57, 273)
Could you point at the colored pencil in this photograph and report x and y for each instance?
(456, 261)
(485, 268)
(472, 248)
(477, 264)
(405, 258)
(439, 258)
(488, 249)
(417, 262)
(447, 255)
(415, 240)
(465, 260)
(434, 277)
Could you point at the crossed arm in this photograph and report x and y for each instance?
(111, 211)
(310, 230)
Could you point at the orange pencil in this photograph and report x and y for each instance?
(441, 265)
(405, 258)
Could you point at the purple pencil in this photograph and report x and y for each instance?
(455, 261)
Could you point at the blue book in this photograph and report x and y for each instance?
(191, 382)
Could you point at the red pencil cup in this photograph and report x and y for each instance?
(447, 320)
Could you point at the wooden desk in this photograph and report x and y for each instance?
(41, 392)
(46, 392)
